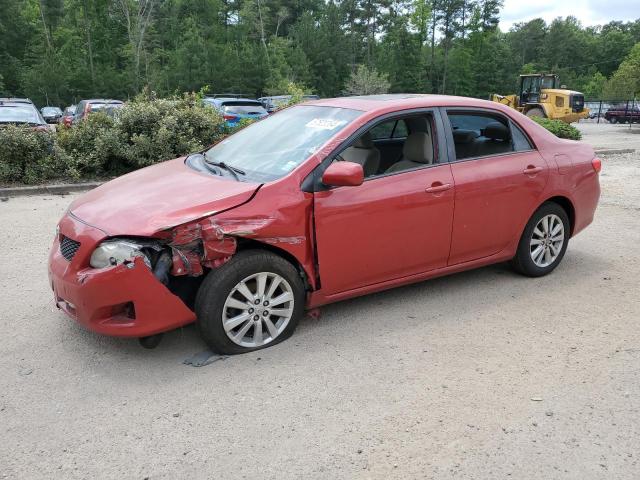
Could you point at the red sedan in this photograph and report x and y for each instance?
(318, 203)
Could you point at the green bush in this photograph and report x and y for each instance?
(28, 155)
(157, 130)
(559, 128)
(92, 147)
(145, 131)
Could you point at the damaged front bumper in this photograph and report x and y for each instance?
(125, 300)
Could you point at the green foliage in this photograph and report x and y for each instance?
(559, 128)
(60, 51)
(145, 131)
(595, 86)
(92, 147)
(366, 81)
(625, 82)
(27, 155)
(297, 93)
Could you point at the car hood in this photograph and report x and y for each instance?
(158, 197)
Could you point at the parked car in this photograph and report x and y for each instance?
(234, 109)
(623, 114)
(67, 115)
(322, 202)
(21, 112)
(16, 100)
(86, 107)
(51, 114)
(273, 103)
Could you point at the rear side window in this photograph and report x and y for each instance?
(484, 134)
(520, 140)
(389, 130)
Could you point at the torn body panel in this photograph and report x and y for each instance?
(212, 241)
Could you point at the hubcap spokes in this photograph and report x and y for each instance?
(258, 309)
(547, 240)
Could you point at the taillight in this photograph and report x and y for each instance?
(597, 164)
(229, 117)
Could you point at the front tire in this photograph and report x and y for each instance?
(543, 242)
(253, 301)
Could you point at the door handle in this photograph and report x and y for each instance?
(531, 170)
(437, 187)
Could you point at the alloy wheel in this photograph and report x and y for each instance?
(547, 240)
(258, 309)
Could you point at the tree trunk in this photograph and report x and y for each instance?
(87, 28)
(47, 34)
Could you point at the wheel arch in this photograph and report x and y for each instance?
(251, 244)
(568, 207)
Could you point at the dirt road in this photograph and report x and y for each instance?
(480, 375)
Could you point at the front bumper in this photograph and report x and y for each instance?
(124, 301)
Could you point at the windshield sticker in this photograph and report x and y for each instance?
(325, 123)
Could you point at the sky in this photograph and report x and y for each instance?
(589, 12)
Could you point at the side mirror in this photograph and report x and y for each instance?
(343, 174)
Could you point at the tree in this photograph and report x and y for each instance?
(595, 87)
(449, 14)
(365, 81)
(625, 82)
(60, 51)
(137, 15)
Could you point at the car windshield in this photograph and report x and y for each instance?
(51, 111)
(271, 148)
(243, 108)
(103, 106)
(19, 114)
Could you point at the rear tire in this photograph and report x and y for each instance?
(543, 242)
(233, 309)
(536, 112)
(613, 120)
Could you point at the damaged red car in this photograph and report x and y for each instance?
(318, 203)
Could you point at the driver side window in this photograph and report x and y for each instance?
(393, 146)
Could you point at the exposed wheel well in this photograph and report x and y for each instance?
(248, 243)
(566, 204)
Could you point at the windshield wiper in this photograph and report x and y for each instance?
(234, 171)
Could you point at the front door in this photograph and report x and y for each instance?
(389, 227)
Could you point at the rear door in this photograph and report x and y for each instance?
(498, 183)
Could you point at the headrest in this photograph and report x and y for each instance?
(418, 148)
(496, 131)
(464, 136)
(364, 141)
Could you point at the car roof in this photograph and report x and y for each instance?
(16, 104)
(402, 101)
(234, 99)
(15, 100)
(102, 100)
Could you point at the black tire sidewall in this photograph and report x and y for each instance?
(523, 261)
(219, 282)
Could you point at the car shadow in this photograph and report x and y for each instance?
(424, 300)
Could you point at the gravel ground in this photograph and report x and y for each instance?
(480, 375)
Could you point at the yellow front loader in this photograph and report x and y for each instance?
(540, 95)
